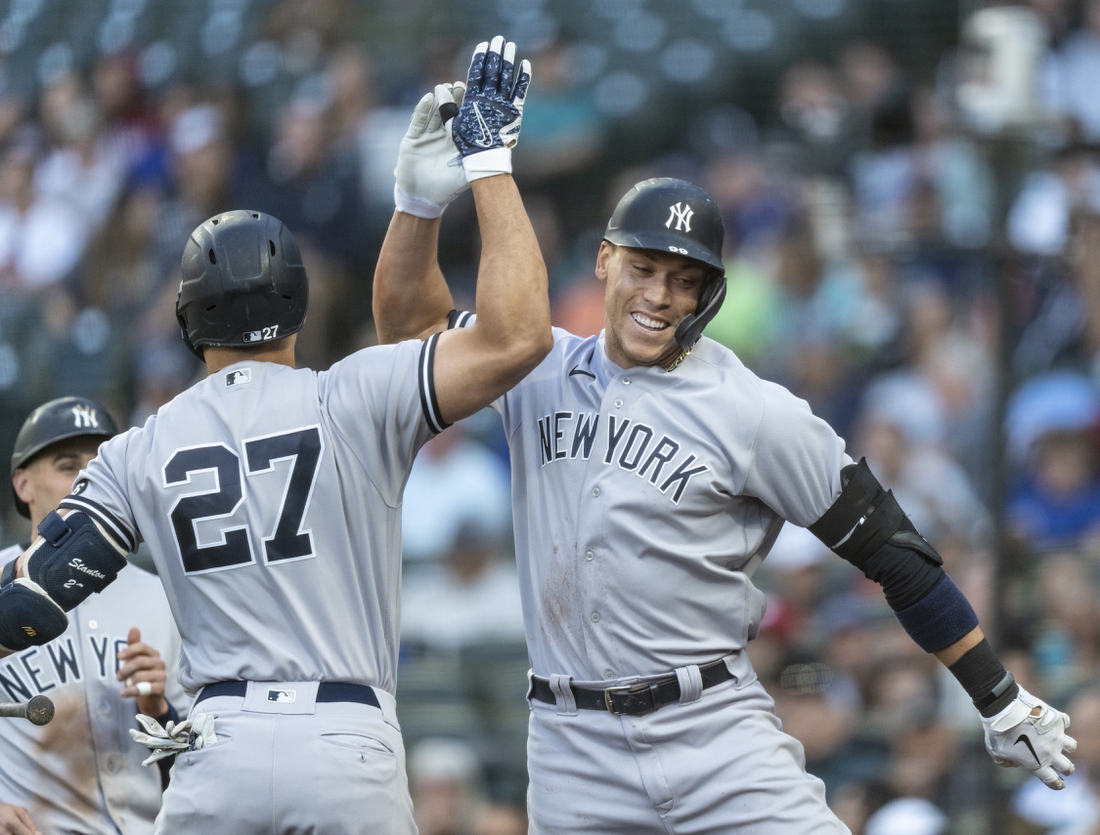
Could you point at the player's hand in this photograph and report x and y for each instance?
(144, 674)
(15, 820)
(429, 168)
(1031, 733)
(486, 125)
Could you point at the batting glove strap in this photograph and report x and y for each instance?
(410, 204)
(1014, 737)
(489, 164)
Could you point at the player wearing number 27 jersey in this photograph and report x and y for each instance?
(256, 489)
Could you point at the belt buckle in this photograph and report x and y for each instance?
(630, 689)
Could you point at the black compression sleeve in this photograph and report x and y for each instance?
(905, 575)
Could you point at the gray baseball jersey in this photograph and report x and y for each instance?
(270, 499)
(642, 501)
(82, 772)
(641, 496)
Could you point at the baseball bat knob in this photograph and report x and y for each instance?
(447, 111)
(39, 710)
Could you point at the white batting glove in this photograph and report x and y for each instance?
(190, 735)
(485, 127)
(1039, 743)
(429, 168)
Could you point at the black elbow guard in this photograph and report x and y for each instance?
(867, 527)
(74, 559)
(28, 618)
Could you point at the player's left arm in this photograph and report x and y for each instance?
(73, 557)
(866, 527)
(442, 153)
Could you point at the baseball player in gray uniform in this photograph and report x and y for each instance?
(651, 474)
(82, 772)
(270, 498)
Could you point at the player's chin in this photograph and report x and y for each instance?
(650, 351)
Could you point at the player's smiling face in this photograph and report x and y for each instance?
(648, 294)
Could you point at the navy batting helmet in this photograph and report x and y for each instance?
(243, 282)
(671, 215)
(58, 420)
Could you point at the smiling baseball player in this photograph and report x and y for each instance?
(652, 472)
(270, 498)
(82, 773)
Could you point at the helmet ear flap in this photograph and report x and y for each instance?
(183, 333)
(710, 300)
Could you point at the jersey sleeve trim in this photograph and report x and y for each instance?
(107, 519)
(428, 401)
(459, 318)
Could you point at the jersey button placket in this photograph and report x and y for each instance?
(595, 617)
(589, 555)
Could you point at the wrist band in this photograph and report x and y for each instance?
(985, 679)
(410, 204)
(487, 163)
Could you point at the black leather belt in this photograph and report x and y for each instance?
(327, 691)
(631, 699)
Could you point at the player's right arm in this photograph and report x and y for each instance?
(475, 365)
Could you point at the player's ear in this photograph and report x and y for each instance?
(21, 482)
(603, 258)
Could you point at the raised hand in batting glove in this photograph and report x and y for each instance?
(1031, 733)
(485, 126)
(429, 168)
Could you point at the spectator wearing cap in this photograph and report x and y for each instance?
(1052, 423)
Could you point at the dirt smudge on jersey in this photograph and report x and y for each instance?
(68, 735)
(560, 594)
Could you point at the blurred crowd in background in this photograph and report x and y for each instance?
(931, 289)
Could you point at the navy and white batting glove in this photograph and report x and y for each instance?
(486, 125)
(429, 168)
(1014, 737)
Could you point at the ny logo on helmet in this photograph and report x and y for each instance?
(681, 213)
(85, 418)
